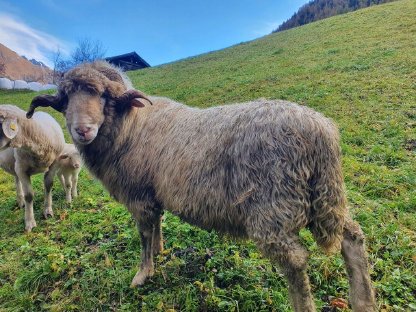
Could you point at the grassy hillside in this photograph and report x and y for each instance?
(358, 68)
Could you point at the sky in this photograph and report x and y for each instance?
(160, 31)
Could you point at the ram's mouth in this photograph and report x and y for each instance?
(84, 135)
(83, 140)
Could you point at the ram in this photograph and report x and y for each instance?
(261, 170)
(28, 147)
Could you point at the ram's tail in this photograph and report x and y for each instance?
(329, 206)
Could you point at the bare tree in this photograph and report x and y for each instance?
(60, 65)
(87, 51)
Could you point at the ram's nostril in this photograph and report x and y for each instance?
(82, 130)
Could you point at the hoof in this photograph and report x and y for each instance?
(48, 213)
(29, 226)
(365, 306)
(140, 278)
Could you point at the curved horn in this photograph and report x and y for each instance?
(111, 74)
(107, 70)
(131, 97)
(45, 100)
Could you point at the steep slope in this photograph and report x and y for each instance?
(358, 68)
(18, 67)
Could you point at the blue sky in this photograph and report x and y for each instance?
(160, 31)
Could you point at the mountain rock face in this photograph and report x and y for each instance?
(35, 62)
(16, 67)
(319, 9)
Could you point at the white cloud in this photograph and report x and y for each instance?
(27, 41)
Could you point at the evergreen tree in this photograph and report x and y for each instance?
(319, 9)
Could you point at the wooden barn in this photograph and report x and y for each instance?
(128, 61)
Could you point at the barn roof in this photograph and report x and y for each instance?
(128, 61)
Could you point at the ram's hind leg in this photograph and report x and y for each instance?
(353, 251)
(285, 250)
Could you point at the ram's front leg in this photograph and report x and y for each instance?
(148, 219)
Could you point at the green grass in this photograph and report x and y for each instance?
(358, 68)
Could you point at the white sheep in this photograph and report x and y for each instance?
(67, 167)
(28, 147)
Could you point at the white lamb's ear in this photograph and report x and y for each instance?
(10, 127)
(63, 156)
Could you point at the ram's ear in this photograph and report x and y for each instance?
(10, 128)
(137, 102)
(133, 98)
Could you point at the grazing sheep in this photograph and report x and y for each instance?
(67, 168)
(29, 147)
(261, 170)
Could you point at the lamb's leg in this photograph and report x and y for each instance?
(62, 180)
(48, 183)
(147, 218)
(353, 250)
(74, 184)
(24, 178)
(158, 237)
(68, 189)
(19, 193)
(291, 256)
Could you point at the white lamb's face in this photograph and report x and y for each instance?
(71, 160)
(84, 116)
